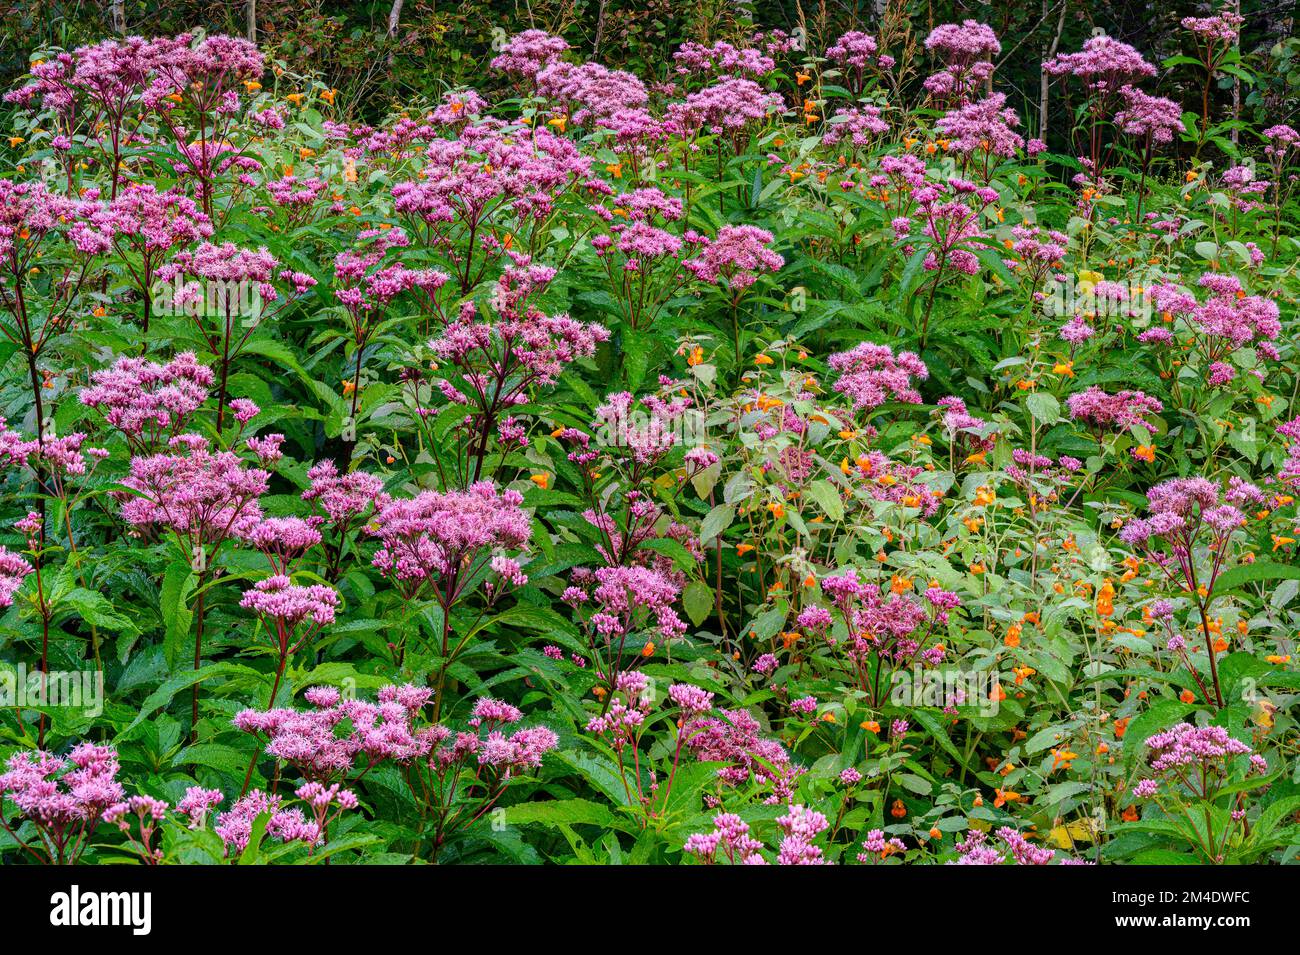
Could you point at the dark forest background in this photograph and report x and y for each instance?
(397, 53)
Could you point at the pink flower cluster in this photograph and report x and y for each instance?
(201, 495)
(1154, 119)
(799, 826)
(13, 571)
(343, 497)
(737, 257)
(30, 213)
(733, 738)
(438, 541)
(892, 627)
(339, 737)
(966, 51)
(590, 92)
(622, 597)
(291, 604)
(224, 268)
(286, 824)
(490, 182)
(1226, 321)
(148, 402)
(1221, 28)
(731, 106)
(1113, 412)
(527, 54)
(963, 42)
(975, 850)
(730, 833)
(984, 126)
(1184, 745)
(523, 346)
(363, 283)
(151, 224)
(857, 54)
(859, 125)
(721, 59)
(871, 375)
(1290, 469)
(1104, 64)
(952, 212)
(1180, 507)
(64, 798)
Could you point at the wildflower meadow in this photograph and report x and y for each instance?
(794, 444)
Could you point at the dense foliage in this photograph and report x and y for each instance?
(781, 458)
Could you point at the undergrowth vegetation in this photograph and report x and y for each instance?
(794, 461)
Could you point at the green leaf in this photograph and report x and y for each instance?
(1044, 407)
(1238, 577)
(767, 624)
(716, 521)
(672, 549)
(173, 605)
(1164, 857)
(224, 759)
(828, 499)
(252, 853)
(95, 608)
(697, 598)
(555, 812)
(601, 774)
(938, 733)
(182, 681)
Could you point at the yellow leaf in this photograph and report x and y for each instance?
(1080, 830)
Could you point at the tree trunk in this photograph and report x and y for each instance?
(1043, 78)
(600, 28)
(394, 18)
(250, 15)
(117, 16)
(1236, 80)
